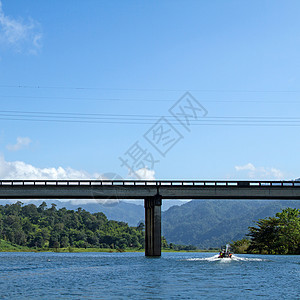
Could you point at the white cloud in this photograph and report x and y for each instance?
(277, 173)
(145, 173)
(248, 166)
(260, 173)
(21, 36)
(21, 143)
(22, 170)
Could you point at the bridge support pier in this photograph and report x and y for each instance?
(153, 225)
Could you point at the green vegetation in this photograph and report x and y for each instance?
(119, 211)
(213, 223)
(32, 228)
(43, 228)
(273, 235)
(7, 247)
(181, 247)
(240, 246)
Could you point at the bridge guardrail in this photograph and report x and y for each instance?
(204, 183)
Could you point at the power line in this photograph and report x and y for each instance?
(136, 119)
(89, 99)
(150, 123)
(147, 100)
(146, 89)
(90, 115)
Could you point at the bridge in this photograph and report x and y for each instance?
(152, 191)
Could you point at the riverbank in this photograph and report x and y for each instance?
(9, 247)
(83, 250)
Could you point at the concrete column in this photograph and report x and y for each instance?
(153, 225)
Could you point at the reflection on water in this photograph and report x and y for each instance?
(131, 275)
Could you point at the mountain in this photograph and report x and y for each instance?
(212, 223)
(131, 212)
(166, 204)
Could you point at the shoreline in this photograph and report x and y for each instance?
(107, 250)
(104, 250)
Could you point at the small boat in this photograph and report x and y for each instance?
(225, 252)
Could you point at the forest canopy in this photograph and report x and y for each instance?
(42, 227)
(273, 235)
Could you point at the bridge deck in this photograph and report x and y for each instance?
(141, 189)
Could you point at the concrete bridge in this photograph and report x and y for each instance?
(153, 192)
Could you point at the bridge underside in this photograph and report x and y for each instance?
(152, 192)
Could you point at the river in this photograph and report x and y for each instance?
(132, 275)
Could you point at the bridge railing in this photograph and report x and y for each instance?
(204, 183)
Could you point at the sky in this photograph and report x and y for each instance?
(150, 89)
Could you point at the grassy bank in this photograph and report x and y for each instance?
(9, 247)
(197, 250)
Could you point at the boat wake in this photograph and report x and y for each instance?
(226, 259)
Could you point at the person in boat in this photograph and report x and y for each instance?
(222, 253)
(225, 254)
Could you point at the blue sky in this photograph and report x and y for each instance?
(97, 76)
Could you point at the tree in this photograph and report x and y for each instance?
(140, 227)
(64, 241)
(31, 212)
(135, 242)
(277, 235)
(56, 245)
(53, 207)
(54, 240)
(42, 207)
(289, 230)
(264, 236)
(164, 243)
(240, 246)
(37, 240)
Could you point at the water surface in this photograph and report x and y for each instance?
(132, 275)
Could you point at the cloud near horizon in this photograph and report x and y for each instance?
(20, 35)
(145, 173)
(260, 172)
(21, 143)
(22, 170)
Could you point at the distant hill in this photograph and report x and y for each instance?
(121, 211)
(131, 212)
(166, 204)
(212, 223)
